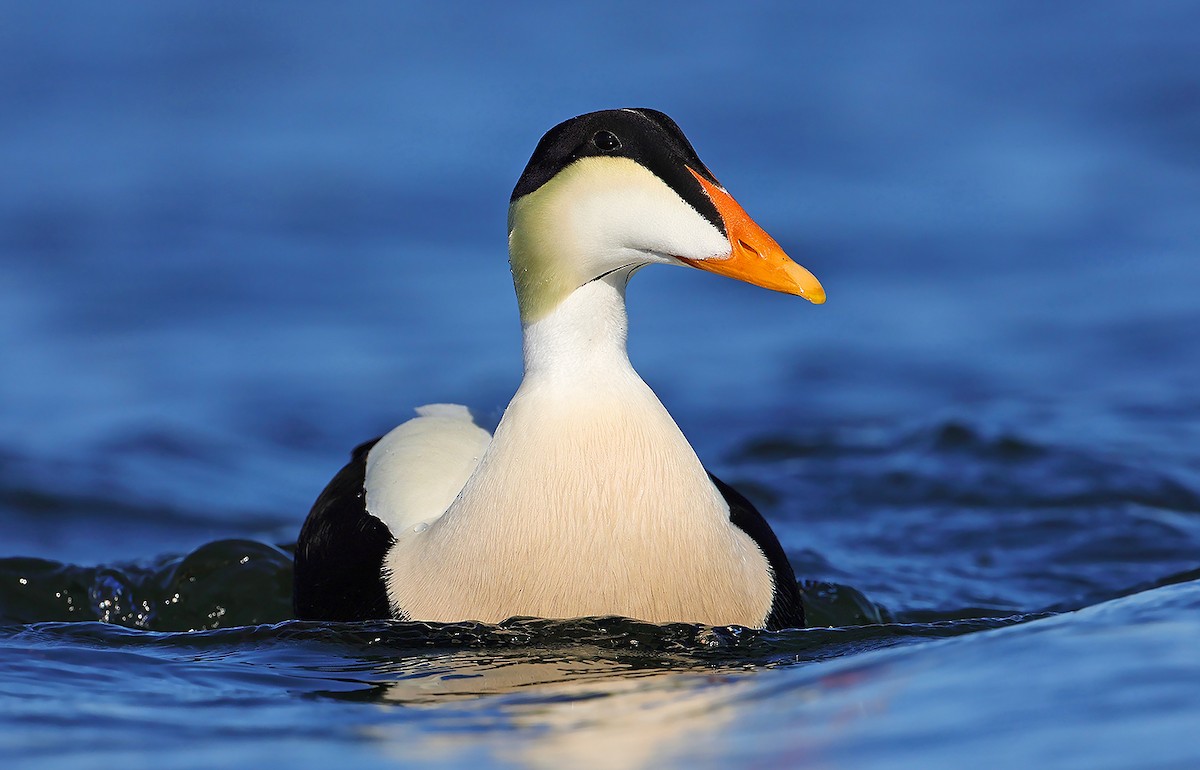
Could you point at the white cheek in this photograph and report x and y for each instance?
(642, 218)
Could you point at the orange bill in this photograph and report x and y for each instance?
(755, 258)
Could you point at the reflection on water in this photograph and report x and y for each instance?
(573, 713)
(599, 692)
(600, 713)
(554, 694)
(644, 697)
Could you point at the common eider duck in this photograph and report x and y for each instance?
(587, 500)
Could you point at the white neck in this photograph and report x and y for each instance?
(584, 336)
(588, 501)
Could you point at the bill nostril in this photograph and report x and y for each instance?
(749, 248)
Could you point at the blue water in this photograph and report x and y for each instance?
(235, 240)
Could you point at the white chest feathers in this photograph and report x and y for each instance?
(577, 507)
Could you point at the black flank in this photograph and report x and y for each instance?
(339, 558)
(787, 611)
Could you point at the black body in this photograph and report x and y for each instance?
(339, 559)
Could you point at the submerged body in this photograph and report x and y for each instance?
(588, 500)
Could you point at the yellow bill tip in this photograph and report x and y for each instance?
(807, 285)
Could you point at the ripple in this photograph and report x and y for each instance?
(957, 518)
(640, 645)
(957, 462)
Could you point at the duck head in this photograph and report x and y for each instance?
(612, 191)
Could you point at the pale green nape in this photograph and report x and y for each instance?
(544, 252)
(539, 277)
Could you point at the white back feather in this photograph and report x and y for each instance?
(415, 471)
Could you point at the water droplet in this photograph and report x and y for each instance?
(421, 527)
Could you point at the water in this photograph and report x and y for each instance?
(235, 241)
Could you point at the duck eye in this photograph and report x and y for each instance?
(606, 141)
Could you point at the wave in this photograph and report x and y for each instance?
(956, 462)
(218, 585)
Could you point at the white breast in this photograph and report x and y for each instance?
(588, 501)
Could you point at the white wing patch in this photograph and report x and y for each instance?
(416, 470)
